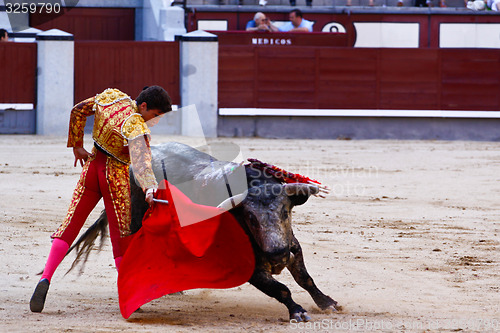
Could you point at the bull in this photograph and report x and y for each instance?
(264, 211)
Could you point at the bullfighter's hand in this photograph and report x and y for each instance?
(81, 155)
(150, 195)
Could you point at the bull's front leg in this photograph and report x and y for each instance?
(264, 281)
(299, 272)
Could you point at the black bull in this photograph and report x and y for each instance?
(265, 214)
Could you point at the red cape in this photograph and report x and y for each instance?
(165, 258)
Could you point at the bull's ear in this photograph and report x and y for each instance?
(299, 192)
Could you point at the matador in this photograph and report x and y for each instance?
(120, 135)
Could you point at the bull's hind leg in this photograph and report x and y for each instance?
(264, 281)
(299, 272)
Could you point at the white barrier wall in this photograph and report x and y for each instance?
(469, 35)
(386, 34)
(161, 21)
(199, 52)
(55, 81)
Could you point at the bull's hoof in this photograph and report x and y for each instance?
(300, 316)
(326, 303)
(332, 308)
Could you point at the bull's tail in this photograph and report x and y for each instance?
(86, 242)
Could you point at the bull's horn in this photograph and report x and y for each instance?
(233, 201)
(300, 188)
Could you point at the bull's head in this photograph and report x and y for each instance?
(267, 213)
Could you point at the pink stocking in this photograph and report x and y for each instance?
(56, 255)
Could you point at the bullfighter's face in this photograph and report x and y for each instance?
(296, 20)
(149, 114)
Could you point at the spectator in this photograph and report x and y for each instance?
(297, 23)
(260, 23)
(477, 5)
(4, 36)
(370, 3)
(423, 3)
(308, 3)
(494, 5)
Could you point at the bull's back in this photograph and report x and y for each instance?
(178, 162)
(200, 176)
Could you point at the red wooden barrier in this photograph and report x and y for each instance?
(408, 79)
(17, 72)
(281, 38)
(470, 79)
(128, 66)
(291, 77)
(89, 23)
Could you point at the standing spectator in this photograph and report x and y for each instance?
(308, 3)
(297, 23)
(4, 36)
(370, 3)
(260, 23)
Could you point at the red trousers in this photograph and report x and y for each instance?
(102, 177)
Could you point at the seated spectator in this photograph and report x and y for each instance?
(477, 5)
(297, 23)
(4, 36)
(494, 5)
(370, 3)
(308, 2)
(260, 23)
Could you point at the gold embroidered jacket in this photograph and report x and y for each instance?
(116, 124)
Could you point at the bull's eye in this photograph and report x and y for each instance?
(284, 213)
(254, 222)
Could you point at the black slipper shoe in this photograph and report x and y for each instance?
(38, 299)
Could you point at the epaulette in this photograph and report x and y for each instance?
(110, 96)
(134, 126)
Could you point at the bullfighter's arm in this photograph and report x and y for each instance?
(77, 121)
(140, 156)
(137, 133)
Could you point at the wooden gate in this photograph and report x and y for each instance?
(128, 66)
(17, 88)
(89, 23)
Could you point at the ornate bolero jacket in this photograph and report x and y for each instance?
(116, 124)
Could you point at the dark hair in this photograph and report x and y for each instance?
(156, 98)
(297, 12)
(3, 33)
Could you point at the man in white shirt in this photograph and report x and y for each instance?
(297, 23)
(494, 5)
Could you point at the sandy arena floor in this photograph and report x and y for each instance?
(408, 241)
